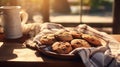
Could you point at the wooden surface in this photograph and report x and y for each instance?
(13, 53)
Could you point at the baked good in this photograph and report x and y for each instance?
(75, 34)
(95, 41)
(63, 36)
(62, 47)
(30, 44)
(47, 39)
(79, 43)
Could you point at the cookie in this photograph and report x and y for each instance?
(62, 47)
(79, 43)
(30, 44)
(95, 41)
(47, 39)
(63, 36)
(75, 34)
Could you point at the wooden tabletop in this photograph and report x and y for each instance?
(13, 53)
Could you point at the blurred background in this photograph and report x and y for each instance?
(68, 11)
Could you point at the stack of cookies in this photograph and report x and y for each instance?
(63, 42)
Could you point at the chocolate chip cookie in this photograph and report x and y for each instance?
(92, 39)
(79, 43)
(62, 47)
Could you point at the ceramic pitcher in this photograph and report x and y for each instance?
(12, 21)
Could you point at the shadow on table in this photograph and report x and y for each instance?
(6, 50)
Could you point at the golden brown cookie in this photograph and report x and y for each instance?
(79, 43)
(62, 47)
(75, 34)
(47, 39)
(92, 39)
(30, 44)
(63, 36)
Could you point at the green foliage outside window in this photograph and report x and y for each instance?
(97, 3)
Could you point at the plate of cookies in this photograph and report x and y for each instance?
(57, 41)
(61, 43)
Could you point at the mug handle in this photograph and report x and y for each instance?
(23, 16)
(1, 13)
(1, 23)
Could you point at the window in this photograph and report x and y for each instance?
(97, 13)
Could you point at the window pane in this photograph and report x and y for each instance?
(65, 11)
(97, 11)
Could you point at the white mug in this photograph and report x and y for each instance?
(12, 21)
